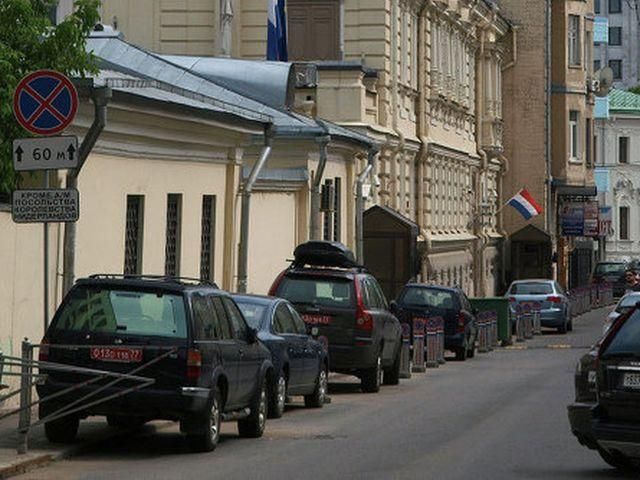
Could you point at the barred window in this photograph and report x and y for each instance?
(328, 205)
(207, 244)
(337, 209)
(174, 221)
(133, 235)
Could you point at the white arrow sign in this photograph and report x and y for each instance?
(46, 153)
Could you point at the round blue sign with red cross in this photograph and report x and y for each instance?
(45, 102)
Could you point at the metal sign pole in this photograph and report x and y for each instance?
(46, 262)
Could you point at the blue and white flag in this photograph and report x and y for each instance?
(277, 31)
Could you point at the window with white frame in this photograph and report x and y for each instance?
(575, 50)
(623, 223)
(574, 135)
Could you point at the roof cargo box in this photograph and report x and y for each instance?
(324, 254)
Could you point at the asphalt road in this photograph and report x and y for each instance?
(497, 416)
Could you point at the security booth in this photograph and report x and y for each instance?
(530, 254)
(390, 248)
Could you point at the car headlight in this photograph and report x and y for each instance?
(591, 377)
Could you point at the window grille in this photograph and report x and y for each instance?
(172, 248)
(133, 235)
(337, 209)
(207, 248)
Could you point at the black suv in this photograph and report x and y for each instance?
(333, 293)
(613, 273)
(189, 337)
(616, 424)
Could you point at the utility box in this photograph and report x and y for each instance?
(500, 305)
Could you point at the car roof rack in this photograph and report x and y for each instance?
(158, 278)
(328, 268)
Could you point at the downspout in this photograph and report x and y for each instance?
(549, 216)
(100, 97)
(362, 176)
(247, 189)
(314, 221)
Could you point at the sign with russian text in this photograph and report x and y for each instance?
(46, 205)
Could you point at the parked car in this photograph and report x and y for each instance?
(613, 273)
(616, 419)
(555, 310)
(301, 363)
(346, 304)
(624, 305)
(420, 300)
(213, 369)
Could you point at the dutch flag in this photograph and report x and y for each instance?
(524, 203)
(277, 31)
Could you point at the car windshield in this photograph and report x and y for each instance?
(430, 297)
(124, 312)
(627, 339)
(531, 288)
(253, 312)
(607, 268)
(328, 292)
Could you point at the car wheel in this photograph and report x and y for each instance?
(371, 378)
(616, 460)
(253, 426)
(461, 353)
(62, 430)
(208, 440)
(319, 395)
(392, 375)
(278, 396)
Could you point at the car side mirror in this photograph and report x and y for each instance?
(252, 335)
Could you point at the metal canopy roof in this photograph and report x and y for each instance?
(624, 102)
(271, 83)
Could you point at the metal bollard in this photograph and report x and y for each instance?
(519, 324)
(493, 330)
(537, 323)
(440, 330)
(482, 332)
(405, 352)
(418, 345)
(528, 321)
(25, 397)
(433, 344)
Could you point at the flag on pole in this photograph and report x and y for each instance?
(277, 31)
(524, 203)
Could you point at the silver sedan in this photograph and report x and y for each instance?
(555, 311)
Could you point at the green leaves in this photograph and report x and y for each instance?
(29, 42)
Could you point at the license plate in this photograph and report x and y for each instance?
(316, 319)
(115, 354)
(631, 380)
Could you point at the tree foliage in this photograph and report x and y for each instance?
(28, 42)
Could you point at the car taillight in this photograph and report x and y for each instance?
(276, 284)
(194, 364)
(461, 323)
(43, 351)
(364, 319)
(554, 299)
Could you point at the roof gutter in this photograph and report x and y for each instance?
(371, 159)
(100, 97)
(246, 191)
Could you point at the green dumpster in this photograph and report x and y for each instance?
(501, 306)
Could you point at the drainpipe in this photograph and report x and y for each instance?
(100, 97)
(247, 189)
(314, 222)
(371, 158)
(549, 216)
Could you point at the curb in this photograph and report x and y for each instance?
(20, 467)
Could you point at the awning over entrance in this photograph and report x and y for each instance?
(577, 191)
(390, 248)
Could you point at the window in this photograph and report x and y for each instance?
(574, 135)
(615, 6)
(596, 65)
(314, 29)
(623, 150)
(615, 36)
(329, 292)
(337, 209)
(205, 318)
(207, 241)
(223, 318)
(575, 52)
(172, 245)
(133, 235)
(624, 223)
(596, 6)
(238, 323)
(253, 313)
(301, 328)
(327, 206)
(595, 149)
(283, 321)
(587, 146)
(616, 66)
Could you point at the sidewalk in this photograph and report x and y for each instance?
(41, 452)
